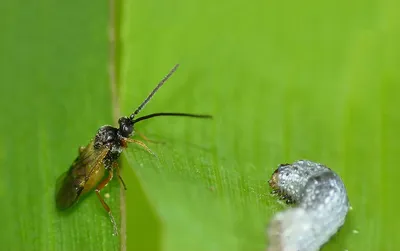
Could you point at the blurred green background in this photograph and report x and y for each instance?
(284, 81)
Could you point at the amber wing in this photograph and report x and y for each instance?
(71, 183)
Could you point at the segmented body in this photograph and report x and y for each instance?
(321, 206)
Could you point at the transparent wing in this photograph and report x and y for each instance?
(72, 182)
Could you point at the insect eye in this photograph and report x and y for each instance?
(127, 129)
(125, 126)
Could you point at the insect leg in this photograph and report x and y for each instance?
(106, 207)
(140, 143)
(116, 167)
(147, 139)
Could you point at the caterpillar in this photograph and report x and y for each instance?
(320, 206)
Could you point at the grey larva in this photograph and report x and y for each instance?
(321, 206)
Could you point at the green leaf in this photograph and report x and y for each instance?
(285, 81)
(54, 95)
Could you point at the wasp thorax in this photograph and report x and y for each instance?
(106, 135)
(125, 127)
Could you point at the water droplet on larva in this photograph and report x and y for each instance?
(355, 231)
(319, 194)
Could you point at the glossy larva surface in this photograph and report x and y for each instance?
(321, 206)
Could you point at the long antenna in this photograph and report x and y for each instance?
(178, 114)
(143, 104)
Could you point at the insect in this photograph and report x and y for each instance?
(88, 171)
(320, 206)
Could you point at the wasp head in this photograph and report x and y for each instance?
(125, 127)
